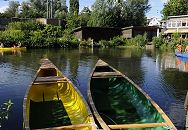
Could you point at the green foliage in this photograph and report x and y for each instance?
(86, 43)
(37, 40)
(158, 41)
(176, 39)
(52, 31)
(73, 21)
(10, 37)
(113, 13)
(74, 7)
(105, 43)
(85, 16)
(12, 10)
(60, 9)
(34, 35)
(4, 111)
(164, 43)
(25, 26)
(139, 41)
(36, 9)
(136, 10)
(175, 7)
(118, 41)
(68, 41)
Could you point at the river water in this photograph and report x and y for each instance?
(161, 75)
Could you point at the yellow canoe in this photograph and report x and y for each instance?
(118, 103)
(11, 48)
(53, 102)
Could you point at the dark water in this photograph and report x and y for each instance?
(159, 74)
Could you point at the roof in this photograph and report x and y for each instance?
(140, 27)
(179, 16)
(81, 28)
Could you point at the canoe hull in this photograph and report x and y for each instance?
(118, 102)
(52, 101)
(12, 49)
(183, 55)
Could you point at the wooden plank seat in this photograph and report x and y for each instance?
(49, 79)
(146, 125)
(106, 74)
(70, 127)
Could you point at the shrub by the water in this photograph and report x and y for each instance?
(35, 35)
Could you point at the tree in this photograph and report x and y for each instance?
(12, 10)
(26, 10)
(136, 10)
(33, 9)
(38, 9)
(85, 16)
(60, 9)
(74, 7)
(175, 7)
(113, 13)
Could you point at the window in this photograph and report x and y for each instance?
(178, 24)
(173, 24)
(169, 24)
(184, 24)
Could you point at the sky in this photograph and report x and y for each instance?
(155, 11)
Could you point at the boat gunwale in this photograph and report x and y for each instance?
(168, 122)
(11, 48)
(26, 125)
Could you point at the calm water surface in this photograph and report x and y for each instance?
(161, 75)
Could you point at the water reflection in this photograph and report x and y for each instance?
(148, 69)
(182, 64)
(11, 52)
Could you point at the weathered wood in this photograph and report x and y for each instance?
(186, 102)
(106, 74)
(146, 125)
(49, 79)
(47, 74)
(186, 108)
(69, 127)
(186, 123)
(96, 74)
(40, 83)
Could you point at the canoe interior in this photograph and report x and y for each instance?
(54, 104)
(119, 102)
(54, 116)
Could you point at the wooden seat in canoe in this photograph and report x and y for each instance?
(106, 74)
(49, 79)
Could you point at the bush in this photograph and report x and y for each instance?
(37, 40)
(52, 31)
(139, 40)
(68, 42)
(10, 37)
(158, 41)
(117, 41)
(86, 43)
(29, 26)
(105, 43)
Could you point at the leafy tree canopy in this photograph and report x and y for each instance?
(175, 7)
(12, 10)
(121, 13)
(74, 7)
